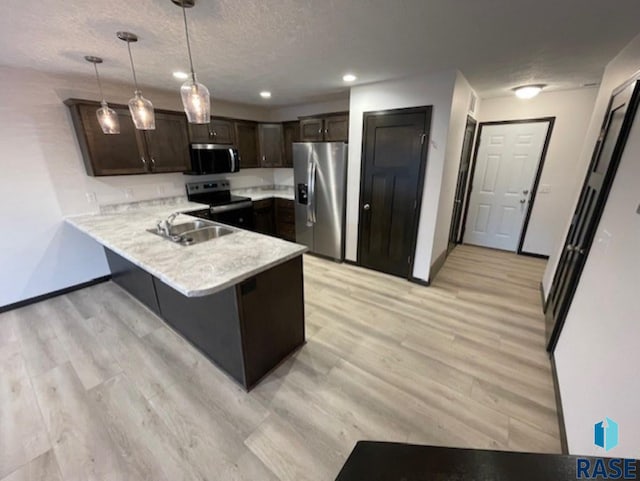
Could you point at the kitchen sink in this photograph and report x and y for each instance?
(194, 232)
(204, 234)
(177, 229)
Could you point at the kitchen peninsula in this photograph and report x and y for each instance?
(237, 298)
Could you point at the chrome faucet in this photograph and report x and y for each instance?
(164, 226)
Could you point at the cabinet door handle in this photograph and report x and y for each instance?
(153, 163)
(326, 131)
(144, 161)
(320, 131)
(264, 158)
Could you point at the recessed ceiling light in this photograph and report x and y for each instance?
(349, 77)
(180, 75)
(528, 91)
(265, 94)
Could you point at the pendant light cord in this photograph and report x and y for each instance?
(95, 65)
(186, 32)
(133, 69)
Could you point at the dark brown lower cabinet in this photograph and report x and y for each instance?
(263, 217)
(246, 330)
(285, 219)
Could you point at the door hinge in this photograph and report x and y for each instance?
(409, 260)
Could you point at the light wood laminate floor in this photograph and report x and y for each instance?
(95, 387)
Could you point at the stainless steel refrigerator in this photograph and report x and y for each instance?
(320, 182)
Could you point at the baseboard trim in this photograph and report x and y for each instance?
(556, 387)
(542, 298)
(422, 282)
(531, 254)
(437, 265)
(49, 295)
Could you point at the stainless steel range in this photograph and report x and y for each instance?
(223, 206)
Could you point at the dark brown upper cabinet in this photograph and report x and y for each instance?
(311, 130)
(246, 134)
(218, 131)
(291, 134)
(329, 128)
(271, 145)
(131, 151)
(168, 145)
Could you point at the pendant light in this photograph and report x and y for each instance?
(195, 96)
(141, 109)
(107, 117)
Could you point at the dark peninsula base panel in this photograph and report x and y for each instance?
(246, 330)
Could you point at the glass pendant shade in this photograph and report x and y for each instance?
(196, 101)
(108, 119)
(142, 112)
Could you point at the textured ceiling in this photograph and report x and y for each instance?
(299, 49)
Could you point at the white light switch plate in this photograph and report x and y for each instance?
(603, 241)
(544, 189)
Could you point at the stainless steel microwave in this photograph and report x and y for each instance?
(213, 159)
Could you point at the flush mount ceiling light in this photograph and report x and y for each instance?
(349, 77)
(528, 91)
(265, 94)
(141, 109)
(107, 117)
(195, 96)
(180, 75)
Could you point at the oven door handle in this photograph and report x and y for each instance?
(229, 207)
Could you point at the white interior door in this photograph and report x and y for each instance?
(506, 165)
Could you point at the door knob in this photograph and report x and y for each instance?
(366, 207)
(525, 192)
(522, 201)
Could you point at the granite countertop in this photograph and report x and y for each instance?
(258, 193)
(196, 270)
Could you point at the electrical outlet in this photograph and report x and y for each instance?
(91, 197)
(544, 189)
(128, 193)
(161, 189)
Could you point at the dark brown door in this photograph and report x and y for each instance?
(604, 163)
(461, 186)
(271, 145)
(291, 134)
(247, 144)
(168, 144)
(336, 128)
(311, 130)
(110, 154)
(393, 165)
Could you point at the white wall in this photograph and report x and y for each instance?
(435, 90)
(285, 114)
(597, 355)
(457, 125)
(563, 166)
(43, 180)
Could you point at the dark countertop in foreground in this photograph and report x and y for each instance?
(379, 461)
